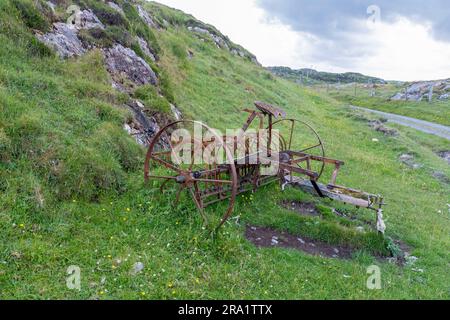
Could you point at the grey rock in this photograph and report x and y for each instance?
(190, 54)
(137, 268)
(199, 30)
(301, 240)
(176, 112)
(419, 91)
(399, 96)
(441, 176)
(115, 7)
(145, 48)
(445, 155)
(142, 127)
(121, 61)
(88, 20)
(410, 260)
(51, 5)
(445, 96)
(64, 40)
(408, 159)
(146, 17)
(379, 126)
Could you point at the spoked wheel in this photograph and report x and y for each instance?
(300, 137)
(195, 158)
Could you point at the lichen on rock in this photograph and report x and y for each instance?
(124, 62)
(64, 40)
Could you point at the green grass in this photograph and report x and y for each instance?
(72, 190)
(436, 111)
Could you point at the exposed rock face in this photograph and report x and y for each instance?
(424, 90)
(442, 177)
(88, 20)
(144, 127)
(123, 62)
(409, 160)
(64, 40)
(176, 112)
(223, 43)
(141, 127)
(115, 7)
(220, 42)
(64, 37)
(445, 155)
(145, 48)
(146, 17)
(51, 5)
(379, 126)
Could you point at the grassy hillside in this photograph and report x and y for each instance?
(311, 76)
(436, 111)
(72, 190)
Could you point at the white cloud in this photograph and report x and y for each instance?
(401, 49)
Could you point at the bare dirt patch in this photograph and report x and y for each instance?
(303, 208)
(267, 238)
(263, 237)
(445, 155)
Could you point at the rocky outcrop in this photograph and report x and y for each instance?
(409, 160)
(445, 155)
(424, 90)
(176, 112)
(64, 40)
(124, 64)
(222, 42)
(379, 126)
(88, 20)
(146, 48)
(115, 7)
(64, 37)
(141, 127)
(146, 17)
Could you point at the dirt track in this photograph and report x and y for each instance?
(424, 126)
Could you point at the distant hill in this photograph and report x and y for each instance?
(311, 76)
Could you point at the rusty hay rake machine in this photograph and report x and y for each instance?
(292, 153)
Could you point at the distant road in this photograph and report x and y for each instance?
(424, 126)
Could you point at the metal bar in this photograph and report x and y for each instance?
(166, 164)
(308, 173)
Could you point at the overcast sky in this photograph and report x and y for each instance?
(392, 39)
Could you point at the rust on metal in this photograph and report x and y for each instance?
(268, 109)
(212, 183)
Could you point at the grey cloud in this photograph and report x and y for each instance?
(342, 37)
(329, 17)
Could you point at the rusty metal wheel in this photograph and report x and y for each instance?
(299, 136)
(195, 158)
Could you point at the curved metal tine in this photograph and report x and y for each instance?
(292, 133)
(177, 199)
(197, 203)
(166, 164)
(309, 148)
(161, 189)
